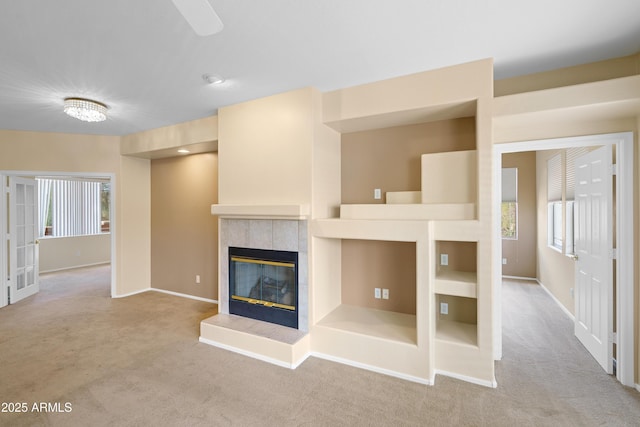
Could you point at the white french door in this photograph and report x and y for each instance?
(23, 238)
(593, 249)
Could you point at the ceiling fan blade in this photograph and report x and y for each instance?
(200, 15)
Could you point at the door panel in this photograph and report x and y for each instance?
(594, 267)
(23, 238)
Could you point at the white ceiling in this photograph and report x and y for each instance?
(142, 59)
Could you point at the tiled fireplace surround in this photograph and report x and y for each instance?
(271, 234)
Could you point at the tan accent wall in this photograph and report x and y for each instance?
(60, 253)
(376, 264)
(585, 73)
(184, 234)
(389, 158)
(521, 252)
(58, 152)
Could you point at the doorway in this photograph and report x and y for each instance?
(624, 287)
(9, 251)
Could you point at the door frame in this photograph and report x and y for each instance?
(623, 142)
(4, 174)
(4, 214)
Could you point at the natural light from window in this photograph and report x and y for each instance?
(73, 206)
(509, 214)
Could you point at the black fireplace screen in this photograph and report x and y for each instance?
(263, 285)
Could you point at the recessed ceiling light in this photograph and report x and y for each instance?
(85, 109)
(183, 151)
(213, 79)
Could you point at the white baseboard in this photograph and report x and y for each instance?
(178, 294)
(531, 279)
(564, 309)
(253, 355)
(73, 267)
(130, 294)
(485, 383)
(372, 368)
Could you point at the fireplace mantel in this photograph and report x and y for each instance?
(262, 211)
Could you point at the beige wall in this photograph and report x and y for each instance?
(56, 152)
(198, 136)
(265, 148)
(555, 270)
(184, 234)
(521, 252)
(60, 253)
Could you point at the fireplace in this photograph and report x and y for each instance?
(263, 285)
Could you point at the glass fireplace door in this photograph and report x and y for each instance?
(263, 285)
(269, 283)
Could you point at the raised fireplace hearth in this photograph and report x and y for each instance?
(263, 285)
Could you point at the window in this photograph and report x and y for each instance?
(557, 210)
(554, 199)
(73, 207)
(570, 183)
(509, 221)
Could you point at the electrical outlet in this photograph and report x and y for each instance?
(444, 259)
(377, 194)
(444, 308)
(504, 261)
(571, 292)
(385, 294)
(377, 293)
(197, 278)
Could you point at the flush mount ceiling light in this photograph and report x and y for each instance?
(85, 109)
(213, 79)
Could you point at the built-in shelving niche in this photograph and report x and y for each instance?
(376, 333)
(418, 159)
(377, 264)
(455, 286)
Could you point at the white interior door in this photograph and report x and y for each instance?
(593, 247)
(23, 238)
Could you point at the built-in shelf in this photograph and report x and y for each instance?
(456, 283)
(417, 211)
(261, 211)
(457, 332)
(388, 325)
(392, 230)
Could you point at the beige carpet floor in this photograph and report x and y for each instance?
(137, 362)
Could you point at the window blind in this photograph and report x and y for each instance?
(554, 178)
(74, 206)
(570, 170)
(509, 184)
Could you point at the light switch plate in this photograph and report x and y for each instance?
(377, 194)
